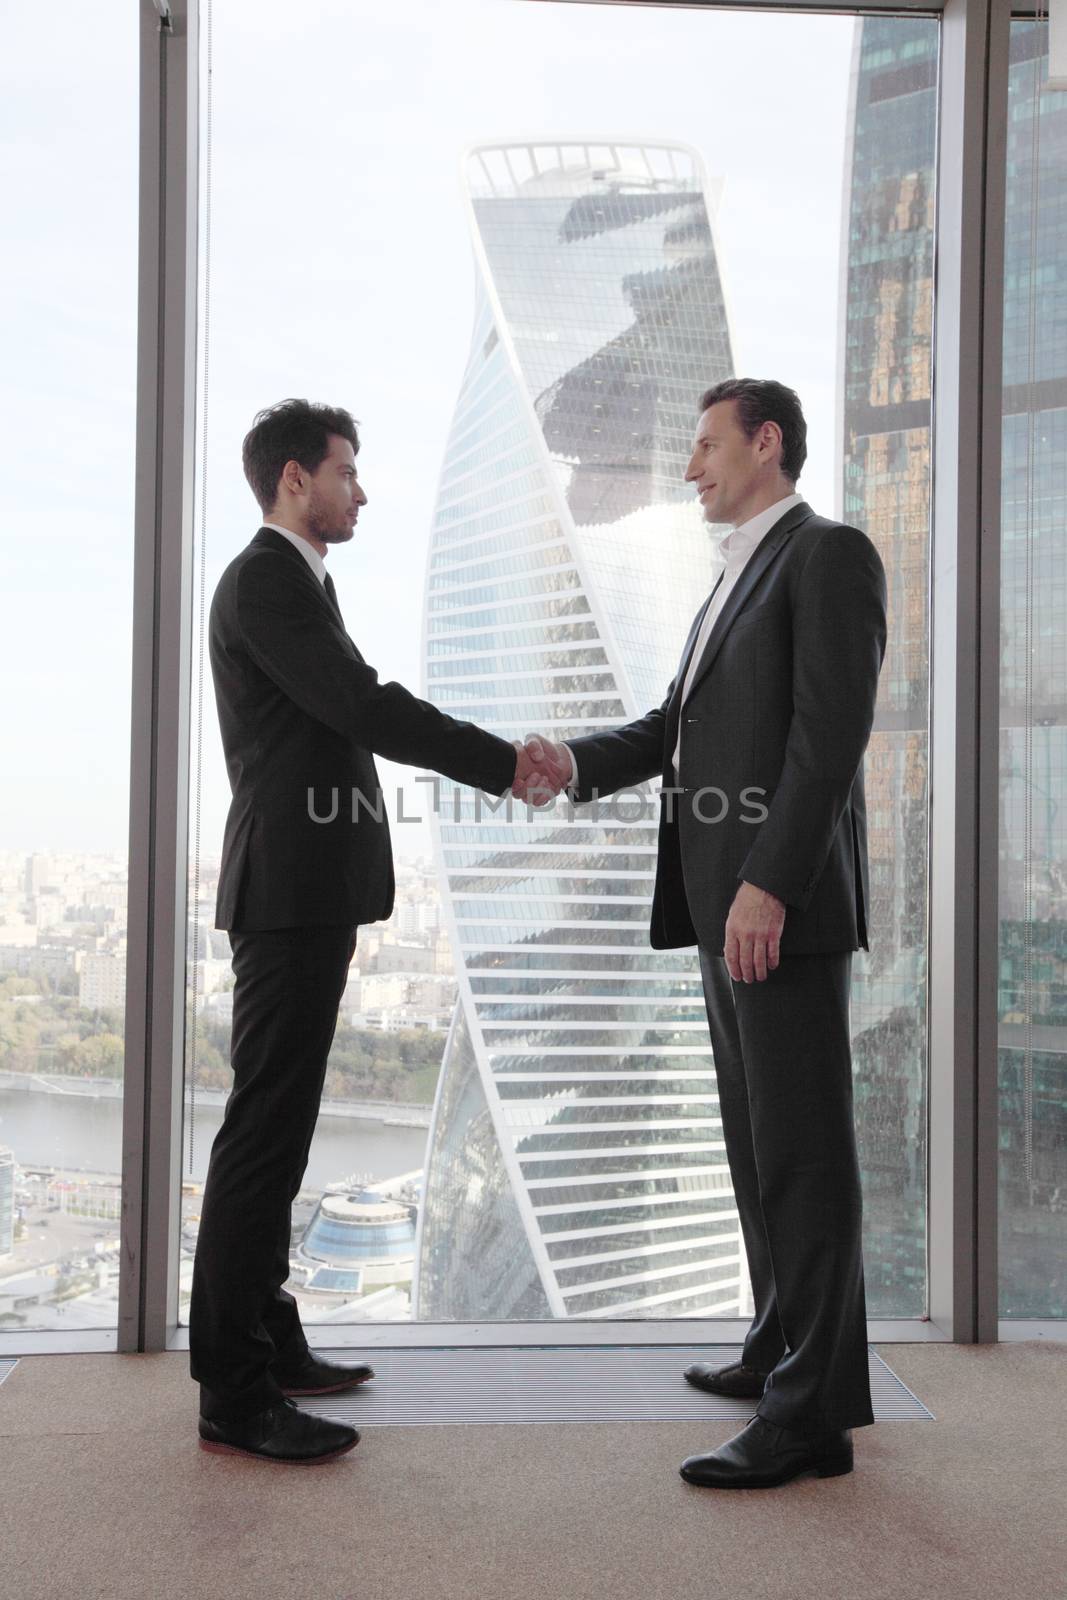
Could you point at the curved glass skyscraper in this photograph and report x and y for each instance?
(576, 1163)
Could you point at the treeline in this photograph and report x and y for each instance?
(363, 1065)
(51, 1033)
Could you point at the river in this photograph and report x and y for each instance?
(80, 1133)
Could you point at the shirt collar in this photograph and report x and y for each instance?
(310, 555)
(742, 540)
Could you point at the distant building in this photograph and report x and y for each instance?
(415, 918)
(355, 1243)
(351, 999)
(211, 976)
(220, 1005)
(16, 936)
(421, 995)
(404, 958)
(49, 908)
(378, 990)
(37, 875)
(87, 1197)
(102, 982)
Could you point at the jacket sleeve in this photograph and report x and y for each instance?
(622, 757)
(839, 637)
(293, 640)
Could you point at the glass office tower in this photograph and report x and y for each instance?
(886, 355)
(887, 311)
(1033, 694)
(576, 1164)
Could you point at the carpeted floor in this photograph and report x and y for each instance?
(106, 1497)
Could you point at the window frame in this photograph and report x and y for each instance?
(965, 626)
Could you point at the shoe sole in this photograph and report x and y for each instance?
(215, 1447)
(330, 1388)
(821, 1469)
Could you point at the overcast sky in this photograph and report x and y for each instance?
(340, 269)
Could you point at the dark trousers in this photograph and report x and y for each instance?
(244, 1329)
(784, 1069)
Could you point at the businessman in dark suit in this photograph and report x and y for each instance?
(306, 858)
(763, 864)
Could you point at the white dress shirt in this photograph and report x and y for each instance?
(737, 547)
(309, 553)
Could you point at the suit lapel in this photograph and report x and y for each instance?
(274, 541)
(674, 709)
(736, 600)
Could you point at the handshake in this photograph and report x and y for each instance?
(542, 769)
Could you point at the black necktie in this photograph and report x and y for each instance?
(331, 595)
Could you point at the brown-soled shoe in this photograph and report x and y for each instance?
(737, 1381)
(281, 1434)
(315, 1376)
(763, 1455)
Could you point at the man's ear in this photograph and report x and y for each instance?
(772, 434)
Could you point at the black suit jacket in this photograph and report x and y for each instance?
(774, 731)
(300, 710)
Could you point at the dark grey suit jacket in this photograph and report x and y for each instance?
(300, 709)
(774, 731)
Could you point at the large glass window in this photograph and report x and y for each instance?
(68, 297)
(887, 369)
(522, 304)
(1033, 695)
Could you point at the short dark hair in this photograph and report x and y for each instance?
(761, 400)
(293, 430)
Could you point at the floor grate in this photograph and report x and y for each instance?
(618, 1383)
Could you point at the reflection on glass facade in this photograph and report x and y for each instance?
(576, 1164)
(886, 355)
(1033, 702)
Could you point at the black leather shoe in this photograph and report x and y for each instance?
(281, 1434)
(763, 1455)
(737, 1380)
(315, 1376)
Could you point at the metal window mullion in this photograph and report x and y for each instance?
(159, 740)
(964, 671)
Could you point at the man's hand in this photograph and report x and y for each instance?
(542, 770)
(753, 934)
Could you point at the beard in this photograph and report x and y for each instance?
(326, 525)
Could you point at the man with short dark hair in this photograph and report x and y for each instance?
(770, 714)
(306, 858)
